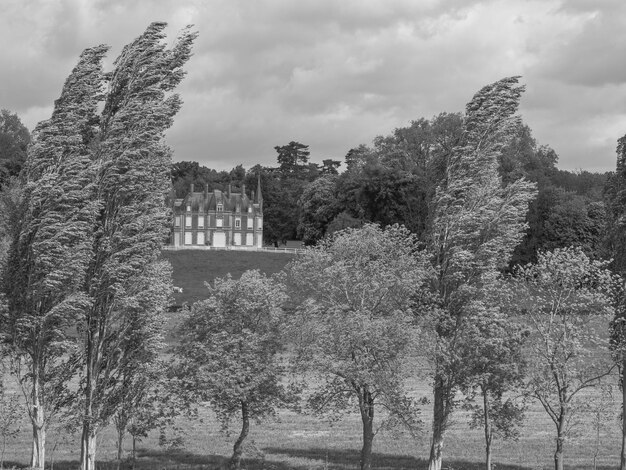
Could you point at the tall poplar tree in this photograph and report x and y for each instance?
(616, 207)
(476, 224)
(51, 248)
(132, 181)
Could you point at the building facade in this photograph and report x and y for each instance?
(218, 219)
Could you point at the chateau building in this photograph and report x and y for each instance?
(218, 219)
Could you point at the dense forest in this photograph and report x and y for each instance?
(393, 181)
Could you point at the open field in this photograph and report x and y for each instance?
(305, 442)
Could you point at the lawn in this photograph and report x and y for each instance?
(302, 441)
(192, 268)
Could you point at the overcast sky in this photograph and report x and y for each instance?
(334, 74)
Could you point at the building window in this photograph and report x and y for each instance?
(220, 207)
(250, 208)
(189, 208)
(200, 221)
(250, 222)
(188, 238)
(237, 223)
(219, 222)
(187, 221)
(259, 223)
(177, 221)
(200, 238)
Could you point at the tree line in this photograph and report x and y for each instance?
(393, 179)
(434, 246)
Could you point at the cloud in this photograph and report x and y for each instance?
(594, 56)
(336, 74)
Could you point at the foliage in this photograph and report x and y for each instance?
(567, 300)
(394, 181)
(11, 210)
(353, 323)
(492, 349)
(292, 158)
(51, 248)
(317, 206)
(143, 404)
(229, 351)
(476, 224)
(130, 180)
(615, 197)
(14, 140)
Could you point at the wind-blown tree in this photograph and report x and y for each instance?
(229, 352)
(476, 224)
(615, 197)
(353, 324)
(50, 250)
(132, 182)
(568, 301)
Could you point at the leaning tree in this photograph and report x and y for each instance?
(476, 223)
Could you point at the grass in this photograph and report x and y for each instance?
(192, 268)
(301, 441)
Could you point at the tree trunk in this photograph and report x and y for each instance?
(622, 464)
(134, 451)
(88, 448)
(235, 461)
(440, 418)
(120, 444)
(488, 430)
(366, 406)
(558, 454)
(4, 447)
(38, 454)
(88, 438)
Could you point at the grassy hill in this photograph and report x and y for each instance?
(192, 268)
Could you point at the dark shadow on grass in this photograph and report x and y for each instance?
(278, 458)
(341, 459)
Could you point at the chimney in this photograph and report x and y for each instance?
(243, 189)
(229, 190)
(191, 188)
(206, 190)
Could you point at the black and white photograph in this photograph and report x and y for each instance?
(312, 234)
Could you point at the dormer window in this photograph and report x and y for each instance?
(249, 208)
(189, 208)
(220, 208)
